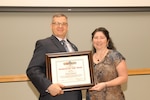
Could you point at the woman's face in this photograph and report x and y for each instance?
(99, 41)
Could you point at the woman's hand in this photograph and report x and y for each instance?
(99, 86)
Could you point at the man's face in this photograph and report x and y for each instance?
(59, 26)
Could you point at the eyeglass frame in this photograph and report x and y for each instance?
(58, 24)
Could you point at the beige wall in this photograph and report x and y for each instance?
(74, 3)
(137, 88)
(20, 30)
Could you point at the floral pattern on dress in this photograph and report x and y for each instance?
(105, 71)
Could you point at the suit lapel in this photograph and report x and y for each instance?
(73, 46)
(59, 46)
(57, 43)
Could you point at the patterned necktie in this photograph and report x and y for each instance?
(63, 42)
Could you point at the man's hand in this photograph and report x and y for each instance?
(55, 89)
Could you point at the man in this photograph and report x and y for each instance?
(36, 70)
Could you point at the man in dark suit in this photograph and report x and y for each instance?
(36, 70)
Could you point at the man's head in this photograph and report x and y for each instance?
(59, 25)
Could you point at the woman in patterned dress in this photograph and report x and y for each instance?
(110, 70)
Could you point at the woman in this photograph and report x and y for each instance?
(110, 70)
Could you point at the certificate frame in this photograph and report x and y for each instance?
(72, 69)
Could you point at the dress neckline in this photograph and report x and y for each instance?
(102, 59)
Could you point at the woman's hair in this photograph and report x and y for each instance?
(106, 33)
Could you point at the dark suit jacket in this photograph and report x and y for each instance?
(36, 70)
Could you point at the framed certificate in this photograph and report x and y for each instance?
(72, 69)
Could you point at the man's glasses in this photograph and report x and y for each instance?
(58, 24)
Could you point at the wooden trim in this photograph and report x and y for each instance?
(143, 71)
(23, 77)
(14, 78)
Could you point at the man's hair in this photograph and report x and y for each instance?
(60, 15)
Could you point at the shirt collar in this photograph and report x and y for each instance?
(61, 39)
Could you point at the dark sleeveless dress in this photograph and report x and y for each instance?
(105, 71)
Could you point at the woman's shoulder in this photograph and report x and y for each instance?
(113, 51)
(116, 54)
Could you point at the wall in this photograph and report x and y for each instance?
(20, 30)
(73, 3)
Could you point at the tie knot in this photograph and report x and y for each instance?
(63, 42)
